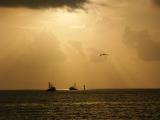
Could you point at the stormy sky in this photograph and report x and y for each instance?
(38, 4)
(60, 41)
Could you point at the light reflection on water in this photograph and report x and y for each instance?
(96, 104)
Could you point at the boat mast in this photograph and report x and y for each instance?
(84, 87)
(50, 85)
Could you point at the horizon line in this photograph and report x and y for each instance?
(81, 89)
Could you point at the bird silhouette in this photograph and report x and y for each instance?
(102, 54)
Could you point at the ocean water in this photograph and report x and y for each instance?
(111, 104)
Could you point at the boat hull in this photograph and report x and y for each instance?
(51, 89)
(73, 88)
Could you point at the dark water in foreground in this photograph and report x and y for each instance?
(92, 105)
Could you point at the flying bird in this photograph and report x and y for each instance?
(102, 54)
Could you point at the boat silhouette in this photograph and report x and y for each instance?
(51, 87)
(73, 87)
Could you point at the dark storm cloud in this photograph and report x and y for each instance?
(156, 2)
(36, 4)
(141, 41)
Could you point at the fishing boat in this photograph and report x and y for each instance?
(73, 87)
(51, 87)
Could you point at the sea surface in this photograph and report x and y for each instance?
(110, 104)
